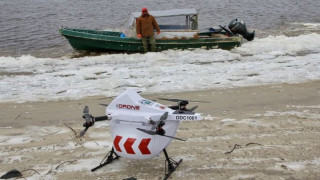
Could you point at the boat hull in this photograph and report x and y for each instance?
(92, 40)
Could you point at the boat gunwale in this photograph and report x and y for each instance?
(110, 38)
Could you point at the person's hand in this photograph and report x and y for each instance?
(158, 32)
(139, 35)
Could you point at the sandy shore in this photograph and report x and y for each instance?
(275, 130)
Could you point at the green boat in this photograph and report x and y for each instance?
(179, 30)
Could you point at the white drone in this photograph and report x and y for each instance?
(141, 128)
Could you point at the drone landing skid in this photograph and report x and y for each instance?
(107, 159)
(170, 164)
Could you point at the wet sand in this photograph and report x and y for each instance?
(261, 132)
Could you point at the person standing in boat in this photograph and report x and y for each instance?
(145, 25)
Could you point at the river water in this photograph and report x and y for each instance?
(37, 64)
(31, 26)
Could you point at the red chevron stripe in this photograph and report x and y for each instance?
(116, 143)
(128, 145)
(143, 146)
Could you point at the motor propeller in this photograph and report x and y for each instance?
(156, 128)
(193, 108)
(157, 124)
(182, 104)
(155, 133)
(90, 120)
(180, 100)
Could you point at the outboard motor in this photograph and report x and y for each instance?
(237, 26)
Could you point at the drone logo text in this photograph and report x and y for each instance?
(126, 106)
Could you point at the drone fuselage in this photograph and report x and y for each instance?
(130, 111)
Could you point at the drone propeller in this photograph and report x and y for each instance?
(193, 108)
(156, 124)
(164, 116)
(104, 104)
(86, 110)
(155, 133)
(89, 120)
(179, 100)
(83, 131)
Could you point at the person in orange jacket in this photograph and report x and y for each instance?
(145, 25)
